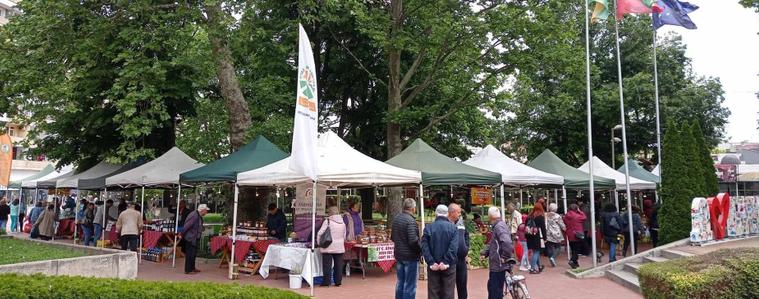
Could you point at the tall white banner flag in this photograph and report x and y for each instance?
(305, 129)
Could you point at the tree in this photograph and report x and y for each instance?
(711, 184)
(677, 187)
(692, 159)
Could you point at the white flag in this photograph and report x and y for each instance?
(305, 132)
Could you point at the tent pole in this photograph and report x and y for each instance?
(521, 198)
(105, 213)
(277, 197)
(564, 197)
(234, 232)
(736, 188)
(142, 213)
(55, 204)
(503, 204)
(76, 212)
(313, 236)
(421, 213)
(176, 228)
(616, 199)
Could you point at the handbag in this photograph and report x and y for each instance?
(542, 241)
(580, 235)
(326, 238)
(35, 233)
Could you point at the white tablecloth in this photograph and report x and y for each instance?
(281, 256)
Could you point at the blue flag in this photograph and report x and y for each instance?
(675, 13)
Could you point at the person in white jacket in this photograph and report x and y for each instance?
(334, 252)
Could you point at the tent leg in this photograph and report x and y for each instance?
(76, 225)
(234, 232)
(142, 212)
(503, 204)
(313, 236)
(564, 197)
(55, 203)
(421, 214)
(616, 200)
(521, 198)
(176, 228)
(105, 212)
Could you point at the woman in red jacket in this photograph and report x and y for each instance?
(575, 234)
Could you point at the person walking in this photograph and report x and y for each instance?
(653, 226)
(88, 222)
(454, 215)
(129, 226)
(14, 215)
(46, 222)
(193, 229)
(35, 213)
(536, 237)
(333, 254)
(5, 210)
(276, 222)
(637, 229)
(575, 233)
(498, 251)
(611, 226)
(524, 264)
(439, 246)
(407, 251)
(554, 233)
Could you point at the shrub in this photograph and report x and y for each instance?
(678, 185)
(726, 273)
(55, 287)
(476, 244)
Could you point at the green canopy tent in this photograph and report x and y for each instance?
(256, 154)
(639, 172)
(45, 171)
(438, 169)
(573, 178)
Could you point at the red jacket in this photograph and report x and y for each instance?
(573, 220)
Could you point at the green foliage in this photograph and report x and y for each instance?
(751, 3)
(711, 184)
(726, 273)
(678, 186)
(38, 286)
(19, 251)
(476, 244)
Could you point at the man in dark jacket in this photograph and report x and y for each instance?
(611, 226)
(439, 246)
(193, 228)
(405, 235)
(498, 251)
(276, 222)
(454, 214)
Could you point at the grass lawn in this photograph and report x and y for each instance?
(18, 251)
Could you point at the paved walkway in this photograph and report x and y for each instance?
(727, 243)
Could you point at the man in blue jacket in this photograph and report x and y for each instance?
(497, 252)
(440, 243)
(454, 214)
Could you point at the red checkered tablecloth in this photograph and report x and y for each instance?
(386, 265)
(217, 243)
(150, 238)
(262, 246)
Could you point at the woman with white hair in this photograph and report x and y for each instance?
(555, 233)
(334, 252)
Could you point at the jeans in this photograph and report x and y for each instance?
(327, 259)
(612, 252)
(441, 283)
(535, 263)
(407, 273)
(496, 282)
(576, 248)
(129, 242)
(87, 231)
(525, 253)
(14, 223)
(461, 279)
(3, 223)
(190, 251)
(98, 232)
(553, 249)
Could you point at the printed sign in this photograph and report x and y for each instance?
(482, 195)
(380, 252)
(6, 158)
(304, 199)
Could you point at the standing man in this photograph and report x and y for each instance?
(513, 219)
(498, 252)
(193, 228)
(405, 235)
(276, 222)
(129, 225)
(439, 246)
(454, 214)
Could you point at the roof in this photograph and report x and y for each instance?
(98, 183)
(45, 171)
(730, 159)
(339, 165)
(639, 172)
(98, 170)
(602, 170)
(512, 172)
(438, 169)
(573, 178)
(163, 171)
(64, 172)
(656, 171)
(749, 177)
(256, 154)
(749, 156)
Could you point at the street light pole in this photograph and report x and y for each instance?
(613, 141)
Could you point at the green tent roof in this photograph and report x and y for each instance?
(438, 169)
(639, 172)
(45, 171)
(256, 154)
(573, 178)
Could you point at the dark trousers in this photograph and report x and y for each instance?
(129, 242)
(461, 278)
(654, 237)
(587, 249)
(575, 248)
(327, 270)
(190, 251)
(496, 282)
(441, 283)
(627, 244)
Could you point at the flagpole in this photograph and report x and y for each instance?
(656, 98)
(590, 137)
(624, 133)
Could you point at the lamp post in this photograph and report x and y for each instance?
(613, 141)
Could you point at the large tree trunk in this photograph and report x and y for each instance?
(394, 146)
(237, 107)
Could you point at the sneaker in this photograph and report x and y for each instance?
(540, 268)
(553, 262)
(524, 269)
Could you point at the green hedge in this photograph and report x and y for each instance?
(59, 287)
(726, 273)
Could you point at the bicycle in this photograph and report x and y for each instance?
(516, 285)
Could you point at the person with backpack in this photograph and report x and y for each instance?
(611, 226)
(637, 229)
(335, 227)
(536, 237)
(555, 233)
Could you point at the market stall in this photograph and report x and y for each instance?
(639, 172)
(602, 170)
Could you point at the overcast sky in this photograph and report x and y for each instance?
(726, 45)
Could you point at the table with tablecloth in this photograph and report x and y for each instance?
(242, 247)
(379, 254)
(293, 257)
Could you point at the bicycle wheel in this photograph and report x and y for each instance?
(520, 291)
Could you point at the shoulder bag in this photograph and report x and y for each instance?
(326, 238)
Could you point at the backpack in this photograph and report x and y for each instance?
(532, 228)
(613, 223)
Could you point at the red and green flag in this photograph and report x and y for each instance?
(601, 9)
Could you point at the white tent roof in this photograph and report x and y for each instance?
(602, 170)
(66, 171)
(98, 170)
(339, 165)
(164, 170)
(512, 172)
(656, 170)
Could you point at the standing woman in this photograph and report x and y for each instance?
(575, 234)
(336, 249)
(14, 215)
(555, 237)
(536, 237)
(352, 218)
(46, 222)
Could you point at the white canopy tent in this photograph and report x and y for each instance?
(656, 170)
(513, 172)
(66, 171)
(98, 170)
(602, 170)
